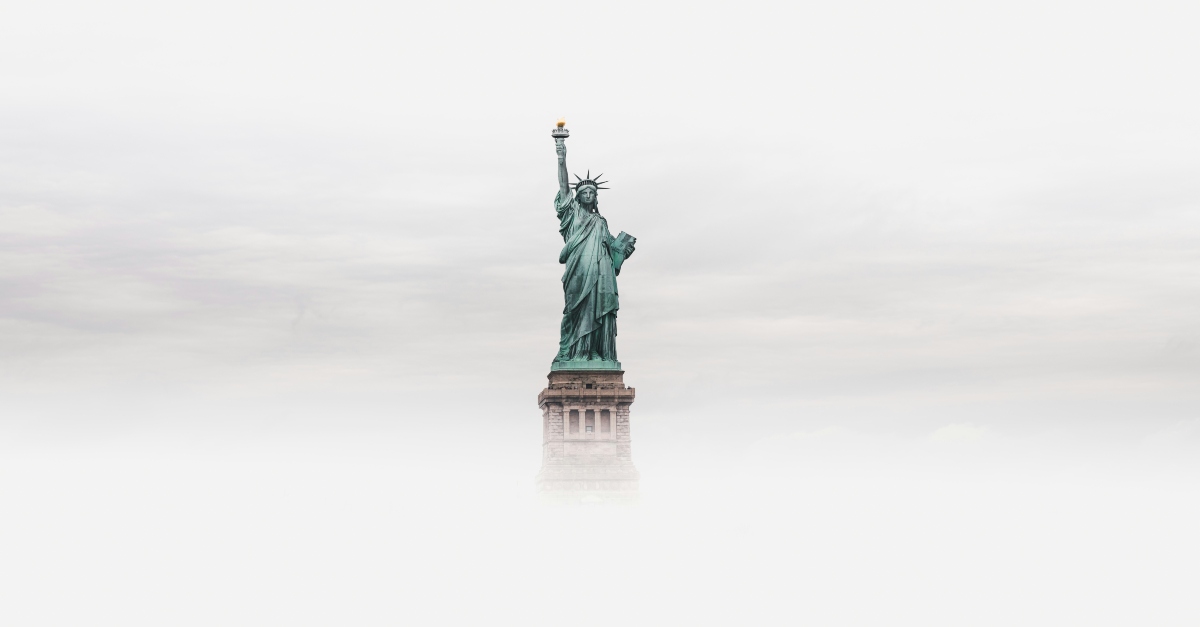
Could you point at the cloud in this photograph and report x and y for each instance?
(960, 433)
(870, 246)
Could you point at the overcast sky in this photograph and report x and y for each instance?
(916, 290)
(903, 215)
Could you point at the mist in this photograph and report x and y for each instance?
(911, 318)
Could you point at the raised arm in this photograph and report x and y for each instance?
(564, 185)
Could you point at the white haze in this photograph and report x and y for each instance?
(912, 318)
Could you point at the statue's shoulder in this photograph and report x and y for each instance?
(562, 201)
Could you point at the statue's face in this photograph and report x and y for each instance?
(587, 195)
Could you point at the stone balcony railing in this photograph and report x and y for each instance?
(613, 395)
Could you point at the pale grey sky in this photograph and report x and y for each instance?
(912, 318)
(898, 217)
(844, 213)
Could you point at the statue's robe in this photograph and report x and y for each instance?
(589, 323)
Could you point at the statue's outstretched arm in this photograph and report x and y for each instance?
(564, 185)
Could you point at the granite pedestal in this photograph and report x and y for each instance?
(586, 452)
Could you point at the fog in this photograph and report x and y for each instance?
(911, 319)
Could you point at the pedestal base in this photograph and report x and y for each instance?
(586, 445)
(583, 484)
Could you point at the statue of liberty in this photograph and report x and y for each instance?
(593, 259)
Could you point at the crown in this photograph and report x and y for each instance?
(589, 181)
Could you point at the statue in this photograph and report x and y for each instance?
(593, 257)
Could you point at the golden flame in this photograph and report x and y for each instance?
(562, 122)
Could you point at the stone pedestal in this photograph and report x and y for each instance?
(586, 454)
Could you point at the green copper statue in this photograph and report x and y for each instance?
(593, 258)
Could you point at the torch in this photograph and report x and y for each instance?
(560, 131)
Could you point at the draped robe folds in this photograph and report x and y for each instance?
(589, 323)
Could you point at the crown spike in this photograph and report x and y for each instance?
(589, 175)
(576, 176)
